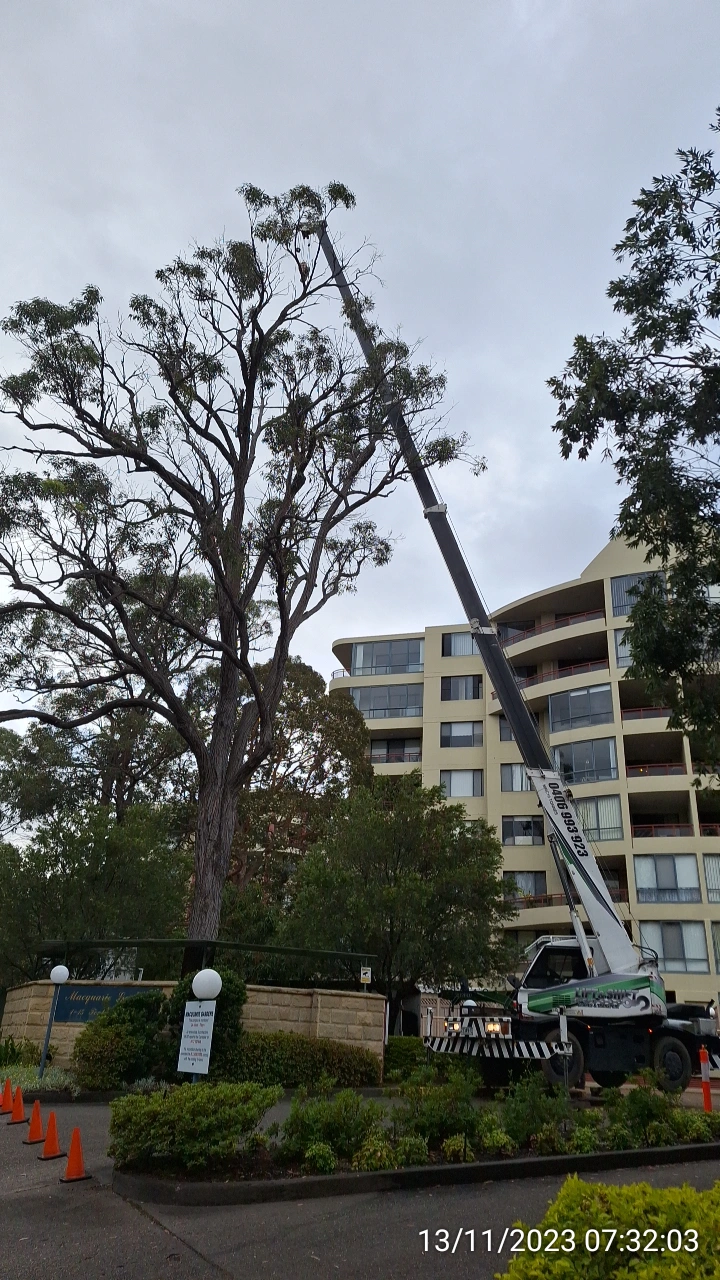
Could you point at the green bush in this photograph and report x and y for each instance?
(55, 1079)
(411, 1150)
(190, 1127)
(227, 1026)
(583, 1140)
(343, 1121)
(283, 1057)
(436, 1112)
(530, 1105)
(376, 1153)
(22, 1053)
(121, 1044)
(491, 1138)
(402, 1055)
(457, 1150)
(582, 1206)
(548, 1140)
(319, 1158)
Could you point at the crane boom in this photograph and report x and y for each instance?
(574, 858)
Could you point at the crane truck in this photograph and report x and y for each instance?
(594, 1001)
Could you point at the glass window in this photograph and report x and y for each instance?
(681, 946)
(601, 817)
(461, 733)
(509, 631)
(461, 783)
(555, 965)
(506, 733)
(711, 863)
(527, 884)
(396, 751)
(523, 831)
(513, 777)
(459, 644)
(591, 761)
(581, 707)
(460, 688)
(623, 591)
(385, 701)
(667, 877)
(387, 657)
(623, 657)
(715, 930)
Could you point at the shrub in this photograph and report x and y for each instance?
(375, 1153)
(548, 1140)
(692, 1126)
(191, 1127)
(283, 1057)
(436, 1112)
(583, 1140)
(491, 1138)
(402, 1055)
(319, 1158)
(411, 1150)
(530, 1105)
(54, 1079)
(22, 1053)
(582, 1206)
(457, 1150)
(343, 1122)
(227, 1026)
(122, 1044)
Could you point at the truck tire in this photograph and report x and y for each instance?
(671, 1061)
(554, 1068)
(609, 1079)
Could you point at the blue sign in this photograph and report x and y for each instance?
(80, 1002)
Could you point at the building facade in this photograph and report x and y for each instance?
(429, 704)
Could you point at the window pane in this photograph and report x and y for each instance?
(622, 591)
(715, 928)
(462, 783)
(694, 940)
(712, 877)
(651, 936)
(665, 872)
(505, 731)
(458, 644)
(672, 943)
(686, 872)
(645, 873)
(609, 818)
(622, 648)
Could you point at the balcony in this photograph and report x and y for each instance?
(339, 674)
(661, 830)
(568, 620)
(397, 756)
(655, 770)
(524, 903)
(711, 829)
(560, 673)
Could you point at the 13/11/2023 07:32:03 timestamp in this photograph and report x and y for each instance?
(515, 1240)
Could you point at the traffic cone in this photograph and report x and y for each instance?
(35, 1133)
(7, 1099)
(51, 1150)
(18, 1110)
(75, 1168)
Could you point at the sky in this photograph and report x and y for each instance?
(494, 148)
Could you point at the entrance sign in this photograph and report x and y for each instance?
(81, 1002)
(197, 1037)
(365, 974)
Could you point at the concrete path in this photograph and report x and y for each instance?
(85, 1232)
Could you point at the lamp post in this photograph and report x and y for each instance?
(58, 976)
(206, 985)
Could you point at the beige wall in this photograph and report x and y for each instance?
(356, 1018)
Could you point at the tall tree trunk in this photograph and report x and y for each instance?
(216, 818)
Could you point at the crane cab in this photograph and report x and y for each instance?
(556, 980)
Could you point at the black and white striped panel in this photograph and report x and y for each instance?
(527, 1049)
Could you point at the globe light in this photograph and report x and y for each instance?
(207, 984)
(59, 974)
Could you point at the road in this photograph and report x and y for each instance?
(85, 1232)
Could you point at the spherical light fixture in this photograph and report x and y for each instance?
(207, 984)
(59, 974)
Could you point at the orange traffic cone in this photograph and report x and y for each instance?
(51, 1150)
(35, 1133)
(7, 1099)
(75, 1168)
(18, 1110)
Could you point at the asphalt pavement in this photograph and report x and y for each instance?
(52, 1231)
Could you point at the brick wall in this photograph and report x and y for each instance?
(351, 1017)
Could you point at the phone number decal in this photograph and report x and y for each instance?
(535, 1240)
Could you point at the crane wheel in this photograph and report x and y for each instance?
(671, 1061)
(609, 1079)
(554, 1068)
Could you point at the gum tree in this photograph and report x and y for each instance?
(192, 487)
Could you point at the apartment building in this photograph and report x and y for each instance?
(429, 704)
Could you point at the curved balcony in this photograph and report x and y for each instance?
(645, 713)
(569, 620)
(661, 830)
(561, 673)
(523, 903)
(340, 674)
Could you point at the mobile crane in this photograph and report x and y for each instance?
(584, 1002)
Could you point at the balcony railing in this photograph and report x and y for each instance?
(389, 713)
(659, 830)
(389, 669)
(710, 828)
(581, 668)
(645, 713)
(523, 903)
(398, 757)
(568, 620)
(654, 770)
(339, 673)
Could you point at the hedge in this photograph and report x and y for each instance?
(588, 1208)
(403, 1055)
(292, 1060)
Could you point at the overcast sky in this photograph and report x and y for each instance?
(494, 147)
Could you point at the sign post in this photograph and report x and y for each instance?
(198, 1024)
(58, 976)
(365, 974)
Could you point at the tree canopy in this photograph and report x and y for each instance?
(198, 489)
(650, 398)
